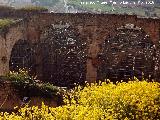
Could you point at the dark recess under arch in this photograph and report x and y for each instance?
(127, 54)
(63, 56)
(22, 56)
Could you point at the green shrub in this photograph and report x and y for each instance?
(22, 76)
(26, 85)
(5, 22)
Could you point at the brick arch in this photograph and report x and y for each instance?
(22, 56)
(56, 47)
(95, 47)
(153, 33)
(120, 61)
(105, 34)
(145, 30)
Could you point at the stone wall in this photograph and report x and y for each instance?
(8, 38)
(9, 99)
(95, 28)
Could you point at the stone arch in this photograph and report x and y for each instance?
(126, 51)
(146, 28)
(61, 55)
(12, 35)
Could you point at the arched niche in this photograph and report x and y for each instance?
(129, 53)
(22, 56)
(61, 55)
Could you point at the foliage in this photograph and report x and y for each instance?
(26, 85)
(22, 76)
(5, 22)
(123, 101)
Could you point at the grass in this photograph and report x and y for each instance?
(26, 85)
(5, 22)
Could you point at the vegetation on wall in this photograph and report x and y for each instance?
(5, 22)
(121, 101)
(26, 85)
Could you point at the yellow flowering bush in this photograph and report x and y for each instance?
(135, 100)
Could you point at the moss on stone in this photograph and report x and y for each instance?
(5, 22)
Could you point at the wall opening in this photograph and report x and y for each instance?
(21, 56)
(58, 57)
(130, 53)
(62, 55)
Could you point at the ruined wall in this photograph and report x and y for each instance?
(9, 98)
(8, 39)
(95, 28)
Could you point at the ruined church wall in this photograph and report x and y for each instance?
(95, 28)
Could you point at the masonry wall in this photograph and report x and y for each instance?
(8, 37)
(10, 99)
(95, 28)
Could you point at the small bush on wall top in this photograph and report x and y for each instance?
(5, 22)
(26, 85)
